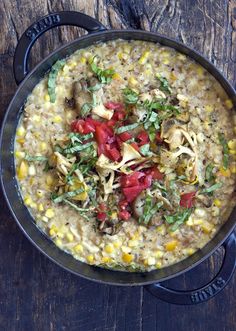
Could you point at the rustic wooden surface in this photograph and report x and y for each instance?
(37, 295)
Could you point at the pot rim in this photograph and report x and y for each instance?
(219, 238)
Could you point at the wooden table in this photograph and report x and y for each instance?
(35, 294)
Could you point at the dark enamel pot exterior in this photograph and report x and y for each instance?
(98, 33)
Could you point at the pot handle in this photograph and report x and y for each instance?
(27, 40)
(204, 293)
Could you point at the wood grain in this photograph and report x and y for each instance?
(37, 295)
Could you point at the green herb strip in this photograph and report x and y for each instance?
(52, 79)
(145, 150)
(224, 144)
(61, 197)
(126, 128)
(76, 137)
(76, 148)
(130, 96)
(178, 218)
(211, 188)
(149, 210)
(36, 158)
(209, 173)
(164, 84)
(81, 210)
(104, 76)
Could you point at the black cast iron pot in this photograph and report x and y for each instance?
(98, 33)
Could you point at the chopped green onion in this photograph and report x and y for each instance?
(178, 218)
(60, 198)
(52, 79)
(127, 128)
(164, 84)
(211, 188)
(224, 144)
(104, 76)
(130, 96)
(36, 158)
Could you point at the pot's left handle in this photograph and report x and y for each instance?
(20, 63)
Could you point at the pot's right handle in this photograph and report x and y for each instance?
(206, 292)
(20, 63)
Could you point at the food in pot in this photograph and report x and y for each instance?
(125, 155)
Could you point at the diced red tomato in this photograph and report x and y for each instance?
(103, 133)
(124, 215)
(187, 199)
(146, 181)
(143, 138)
(123, 204)
(132, 179)
(101, 216)
(155, 173)
(113, 153)
(125, 136)
(158, 138)
(111, 123)
(135, 146)
(114, 105)
(102, 207)
(132, 192)
(118, 115)
(77, 126)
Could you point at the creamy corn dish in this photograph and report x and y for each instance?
(125, 155)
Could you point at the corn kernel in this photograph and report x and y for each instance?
(32, 170)
(166, 61)
(209, 108)
(23, 170)
(43, 147)
(232, 144)
(19, 154)
(116, 76)
(143, 58)
(45, 219)
(233, 168)
(90, 258)
(83, 60)
(49, 180)
(20, 131)
(50, 213)
(21, 141)
(228, 104)
(47, 97)
(36, 118)
(158, 265)
(57, 119)
(52, 232)
(200, 212)
(39, 193)
(109, 248)
(106, 259)
(117, 244)
(215, 211)
(70, 237)
(114, 215)
(158, 254)
(207, 227)
(127, 258)
(173, 76)
(190, 251)
(197, 222)
(132, 81)
(78, 248)
(40, 207)
(126, 249)
(200, 71)
(225, 172)
(58, 242)
(151, 260)
(72, 64)
(217, 203)
(189, 221)
(132, 243)
(161, 229)
(27, 201)
(232, 151)
(171, 245)
(181, 57)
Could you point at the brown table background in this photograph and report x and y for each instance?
(35, 294)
